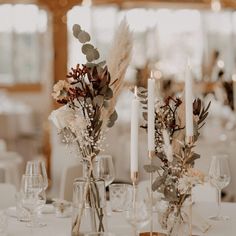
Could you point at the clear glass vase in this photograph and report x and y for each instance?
(89, 204)
(176, 222)
(179, 227)
(180, 224)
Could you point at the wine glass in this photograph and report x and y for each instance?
(37, 167)
(31, 188)
(138, 216)
(219, 175)
(104, 169)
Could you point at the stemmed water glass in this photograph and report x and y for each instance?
(104, 169)
(138, 216)
(31, 189)
(37, 167)
(219, 175)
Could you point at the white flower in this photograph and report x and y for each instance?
(79, 125)
(197, 177)
(62, 117)
(191, 178)
(60, 90)
(184, 184)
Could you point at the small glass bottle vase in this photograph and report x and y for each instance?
(179, 228)
(89, 204)
(180, 224)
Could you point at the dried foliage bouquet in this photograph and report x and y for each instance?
(89, 95)
(175, 176)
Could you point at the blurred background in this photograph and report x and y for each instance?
(37, 48)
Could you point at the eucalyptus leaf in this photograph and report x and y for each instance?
(106, 104)
(144, 102)
(102, 63)
(76, 30)
(160, 180)
(151, 168)
(90, 64)
(98, 100)
(92, 55)
(142, 90)
(86, 48)
(89, 57)
(170, 193)
(113, 117)
(144, 96)
(192, 158)
(103, 89)
(96, 54)
(108, 94)
(83, 36)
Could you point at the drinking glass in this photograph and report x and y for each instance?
(37, 167)
(138, 216)
(31, 188)
(21, 213)
(120, 197)
(219, 175)
(104, 169)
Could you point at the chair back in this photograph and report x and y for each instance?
(11, 168)
(68, 175)
(7, 195)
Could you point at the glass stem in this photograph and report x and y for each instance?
(219, 202)
(136, 233)
(34, 219)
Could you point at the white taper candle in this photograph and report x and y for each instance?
(134, 134)
(188, 102)
(151, 114)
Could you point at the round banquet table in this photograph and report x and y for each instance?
(118, 225)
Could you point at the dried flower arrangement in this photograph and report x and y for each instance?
(175, 176)
(89, 95)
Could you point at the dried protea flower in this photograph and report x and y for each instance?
(61, 91)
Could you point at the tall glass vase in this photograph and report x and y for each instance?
(89, 204)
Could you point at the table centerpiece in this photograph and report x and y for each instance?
(88, 96)
(175, 174)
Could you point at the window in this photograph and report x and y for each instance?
(23, 29)
(164, 38)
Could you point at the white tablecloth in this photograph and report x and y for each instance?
(118, 224)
